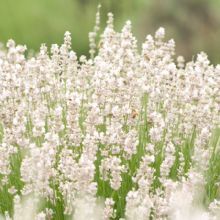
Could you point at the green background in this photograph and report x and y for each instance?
(194, 24)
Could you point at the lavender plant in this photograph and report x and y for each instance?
(121, 135)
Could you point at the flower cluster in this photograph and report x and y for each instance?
(121, 135)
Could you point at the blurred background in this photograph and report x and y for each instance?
(194, 24)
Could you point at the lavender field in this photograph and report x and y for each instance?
(122, 134)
